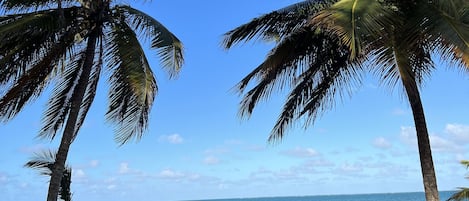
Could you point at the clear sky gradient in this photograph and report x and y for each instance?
(197, 147)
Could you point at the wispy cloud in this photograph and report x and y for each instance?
(438, 142)
(458, 132)
(381, 143)
(124, 168)
(173, 138)
(211, 160)
(300, 152)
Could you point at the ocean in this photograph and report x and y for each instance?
(414, 196)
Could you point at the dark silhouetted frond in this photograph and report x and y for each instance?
(277, 24)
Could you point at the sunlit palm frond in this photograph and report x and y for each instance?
(169, 47)
(329, 73)
(275, 25)
(133, 86)
(33, 81)
(357, 23)
(461, 195)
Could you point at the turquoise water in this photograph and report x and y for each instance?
(416, 196)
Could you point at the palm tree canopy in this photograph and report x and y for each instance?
(350, 33)
(37, 49)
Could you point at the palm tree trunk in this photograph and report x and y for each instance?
(425, 152)
(70, 126)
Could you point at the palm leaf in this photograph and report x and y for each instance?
(276, 24)
(91, 89)
(28, 4)
(44, 162)
(60, 103)
(33, 81)
(26, 38)
(133, 86)
(449, 28)
(329, 72)
(169, 47)
(357, 23)
(462, 194)
(288, 58)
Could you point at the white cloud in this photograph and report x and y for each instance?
(211, 160)
(399, 112)
(382, 143)
(439, 144)
(173, 139)
(351, 168)
(124, 168)
(78, 173)
(3, 178)
(459, 132)
(300, 152)
(444, 145)
(408, 136)
(94, 163)
(170, 174)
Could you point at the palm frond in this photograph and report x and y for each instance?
(276, 24)
(418, 55)
(61, 100)
(169, 47)
(33, 81)
(30, 4)
(25, 38)
(446, 25)
(90, 92)
(133, 86)
(278, 70)
(357, 23)
(329, 74)
(461, 195)
(44, 162)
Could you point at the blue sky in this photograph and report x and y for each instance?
(197, 147)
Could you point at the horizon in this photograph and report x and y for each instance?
(198, 148)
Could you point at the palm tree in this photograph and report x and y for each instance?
(463, 193)
(325, 46)
(38, 47)
(44, 162)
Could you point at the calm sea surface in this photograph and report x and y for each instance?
(417, 196)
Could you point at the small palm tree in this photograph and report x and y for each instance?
(68, 46)
(325, 46)
(44, 162)
(463, 193)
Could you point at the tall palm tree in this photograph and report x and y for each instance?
(463, 193)
(325, 46)
(44, 162)
(39, 47)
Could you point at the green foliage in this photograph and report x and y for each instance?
(463, 193)
(38, 48)
(322, 47)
